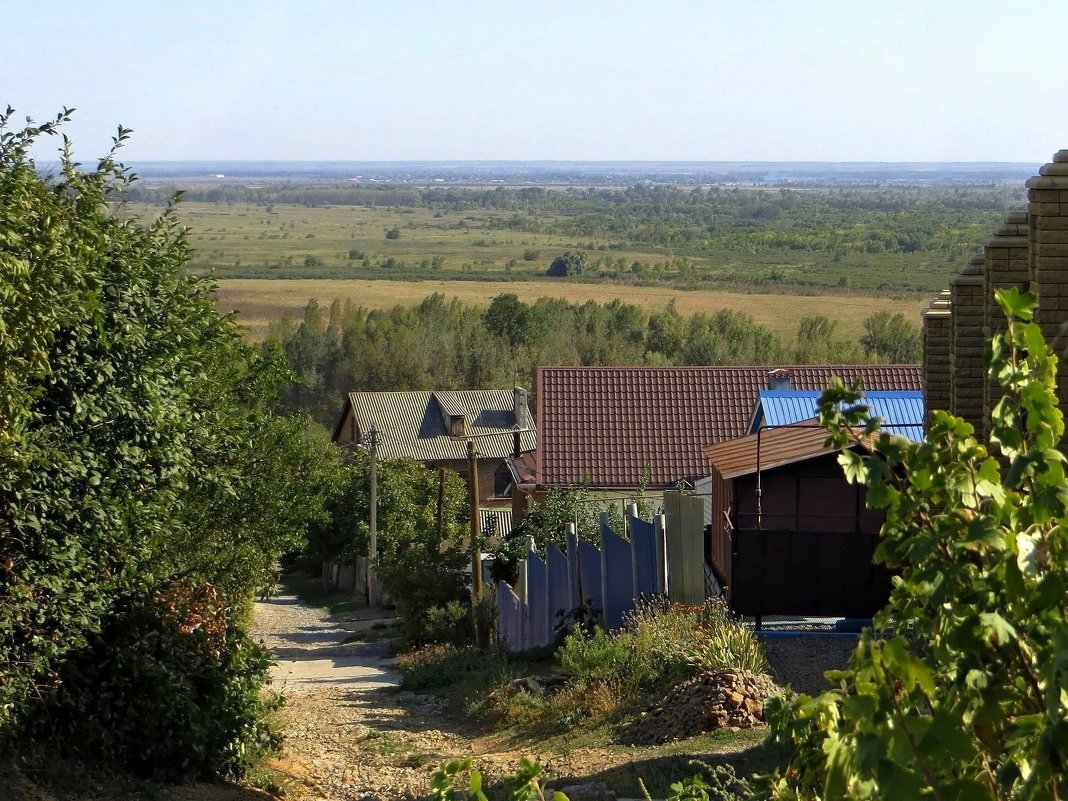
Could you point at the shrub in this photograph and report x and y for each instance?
(169, 689)
(573, 262)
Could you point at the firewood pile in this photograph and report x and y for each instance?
(718, 699)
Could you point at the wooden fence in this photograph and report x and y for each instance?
(665, 557)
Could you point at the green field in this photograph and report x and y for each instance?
(242, 240)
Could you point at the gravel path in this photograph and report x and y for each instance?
(308, 646)
(349, 733)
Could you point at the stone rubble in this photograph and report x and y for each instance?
(719, 699)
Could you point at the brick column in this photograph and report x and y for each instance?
(937, 338)
(967, 374)
(1047, 205)
(1006, 254)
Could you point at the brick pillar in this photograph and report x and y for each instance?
(967, 373)
(1006, 254)
(1047, 205)
(937, 338)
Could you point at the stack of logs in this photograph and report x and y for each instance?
(718, 699)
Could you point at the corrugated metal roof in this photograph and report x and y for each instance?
(902, 411)
(495, 522)
(411, 423)
(612, 425)
(771, 448)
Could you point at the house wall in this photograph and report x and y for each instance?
(806, 496)
(487, 468)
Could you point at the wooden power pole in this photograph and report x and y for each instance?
(476, 538)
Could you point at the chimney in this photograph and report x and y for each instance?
(780, 379)
(519, 406)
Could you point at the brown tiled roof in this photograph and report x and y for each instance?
(608, 425)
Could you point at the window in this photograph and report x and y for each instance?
(502, 482)
(456, 426)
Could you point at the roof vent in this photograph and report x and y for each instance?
(780, 379)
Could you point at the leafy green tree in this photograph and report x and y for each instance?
(569, 263)
(960, 690)
(817, 344)
(891, 338)
(421, 563)
(129, 409)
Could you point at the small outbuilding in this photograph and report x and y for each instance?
(788, 534)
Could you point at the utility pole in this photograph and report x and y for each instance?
(476, 523)
(476, 536)
(372, 550)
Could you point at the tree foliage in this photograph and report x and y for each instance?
(891, 338)
(137, 445)
(960, 691)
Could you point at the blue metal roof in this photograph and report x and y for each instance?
(902, 410)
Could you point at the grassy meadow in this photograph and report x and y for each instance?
(343, 252)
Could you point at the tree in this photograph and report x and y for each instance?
(960, 689)
(891, 338)
(132, 418)
(816, 343)
(421, 564)
(570, 263)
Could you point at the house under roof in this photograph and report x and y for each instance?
(435, 426)
(611, 427)
(902, 411)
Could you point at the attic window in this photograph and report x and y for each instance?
(456, 426)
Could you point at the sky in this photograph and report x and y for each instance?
(701, 80)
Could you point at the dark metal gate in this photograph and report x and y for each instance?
(806, 573)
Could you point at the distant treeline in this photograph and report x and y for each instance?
(442, 344)
(692, 221)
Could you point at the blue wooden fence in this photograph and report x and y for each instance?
(608, 579)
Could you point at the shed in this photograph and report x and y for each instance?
(788, 534)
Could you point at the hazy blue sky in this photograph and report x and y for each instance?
(940, 80)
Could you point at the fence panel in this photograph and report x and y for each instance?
(643, 540)
(589, 570)
(618, 579)
(560, 602)
(509, 616)
(685, 548)
(538, 599)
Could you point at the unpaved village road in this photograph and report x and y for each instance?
(351, 735)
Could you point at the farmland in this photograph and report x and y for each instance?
(773, 254)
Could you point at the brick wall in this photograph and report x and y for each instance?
(1029, 251)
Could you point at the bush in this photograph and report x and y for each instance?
(170, 689)
(660, 645)
(573, 262)
(449, 624)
